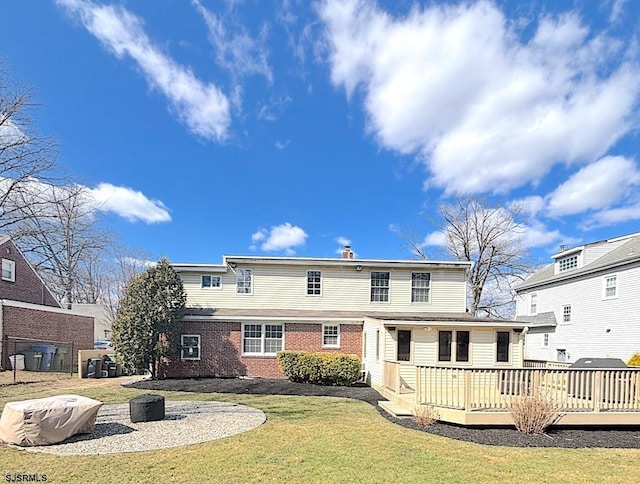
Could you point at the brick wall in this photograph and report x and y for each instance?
(221, 343)
(28, 287)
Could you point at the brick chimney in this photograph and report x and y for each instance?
(347, 253)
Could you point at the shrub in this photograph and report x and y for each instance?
(320, 368)
(634, 360)
(533, 413)
(426, 416)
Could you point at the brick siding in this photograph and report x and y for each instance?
(221, 343)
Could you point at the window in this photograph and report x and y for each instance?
(545, 341)
(568, 263)
(444, 345)
(533, 306)
(610, 285)
(379, 287)
(190, 344)
(244, 281)
(377, 345)
(420, 283)
(331, 336)
(502, 347)
(314, 283)
(561, 355)
(566, 313)
(404, 345)
(8, 270)
(262, 339)
(211, 281)
(446, 342)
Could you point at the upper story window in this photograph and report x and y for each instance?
(566, 313)
(8, 270)
(190, 346)
(208, 281)
(610, 285)
(420, 285)
(379, 287)
(331, 336)
(244, 281)
(533, 303)
(314, 283)
(568, 263)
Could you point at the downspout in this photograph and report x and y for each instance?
(521, 343)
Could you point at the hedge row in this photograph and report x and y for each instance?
(320, 368)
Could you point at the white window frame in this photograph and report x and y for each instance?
(10, 268)
(211, 278)
(566, 313)
(420, 289)
(509, 348)
(263, 339)
(313, 283)
(605, 286)
(545, 340)
(242, 276)
(325, 335)
(533, 303)
(568, 263)
(183, 347)
(381, 288)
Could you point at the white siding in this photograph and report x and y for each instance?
(373, 366)
(599, 327)
(344, 289)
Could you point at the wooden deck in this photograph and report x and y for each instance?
(482, 396)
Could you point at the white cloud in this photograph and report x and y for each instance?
(613, 216)
(199, 105)
(594, 187)
(435, 238)
(616, 10)
(130, 204)
(484, 110)
(281, 145)
(284, 237)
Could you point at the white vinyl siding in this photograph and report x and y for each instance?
(275, 287)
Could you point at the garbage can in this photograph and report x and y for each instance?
(48, 351)
(97, 366)
(32, 360)
(17, 362)
(59, 360)
(112, 369)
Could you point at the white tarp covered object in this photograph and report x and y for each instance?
(46, 421)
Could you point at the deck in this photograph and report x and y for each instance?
(482, 396)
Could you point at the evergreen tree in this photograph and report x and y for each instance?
(147, 324)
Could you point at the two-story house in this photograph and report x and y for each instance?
(29, 312)
(591, 294)
(404, 312)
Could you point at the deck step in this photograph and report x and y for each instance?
(394, 409)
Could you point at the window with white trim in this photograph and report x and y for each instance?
(568, 263)
(503, 346)
(244, 281)
(190, 346)
(447, 340)
(331, 336)
(8, 270)
(533, 303)
(545, 340)
(314, 283)
(379, 287)
(610, 286)
(262, 339)
(208, 281)
(420, 285)
(566, 313)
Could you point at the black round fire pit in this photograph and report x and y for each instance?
(146, 408)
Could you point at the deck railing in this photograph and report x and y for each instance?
(572, 390)
(391, 376)
(545, 364)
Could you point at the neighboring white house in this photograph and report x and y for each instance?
(592, 294)
(102, 316)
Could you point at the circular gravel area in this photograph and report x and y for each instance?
(185, 423)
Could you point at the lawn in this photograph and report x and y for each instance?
(310, 439)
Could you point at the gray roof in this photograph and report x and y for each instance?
(627, 253)
(542, 319)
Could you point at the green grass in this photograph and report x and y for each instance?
(312, 439)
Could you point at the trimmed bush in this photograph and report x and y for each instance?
(320, 368)
(533, 413)
(634, 360)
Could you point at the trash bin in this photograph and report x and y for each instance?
(32, 360)
(48, 351)
(112, 369)
(96, 363)
(59, 360)
(17, 362)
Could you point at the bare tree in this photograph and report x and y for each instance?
(24, 154)
(59, 232)
(490, 237)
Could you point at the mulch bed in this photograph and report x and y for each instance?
(625, 437)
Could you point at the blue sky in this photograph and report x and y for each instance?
(290, 127)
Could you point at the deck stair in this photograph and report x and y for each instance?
(394, 409)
